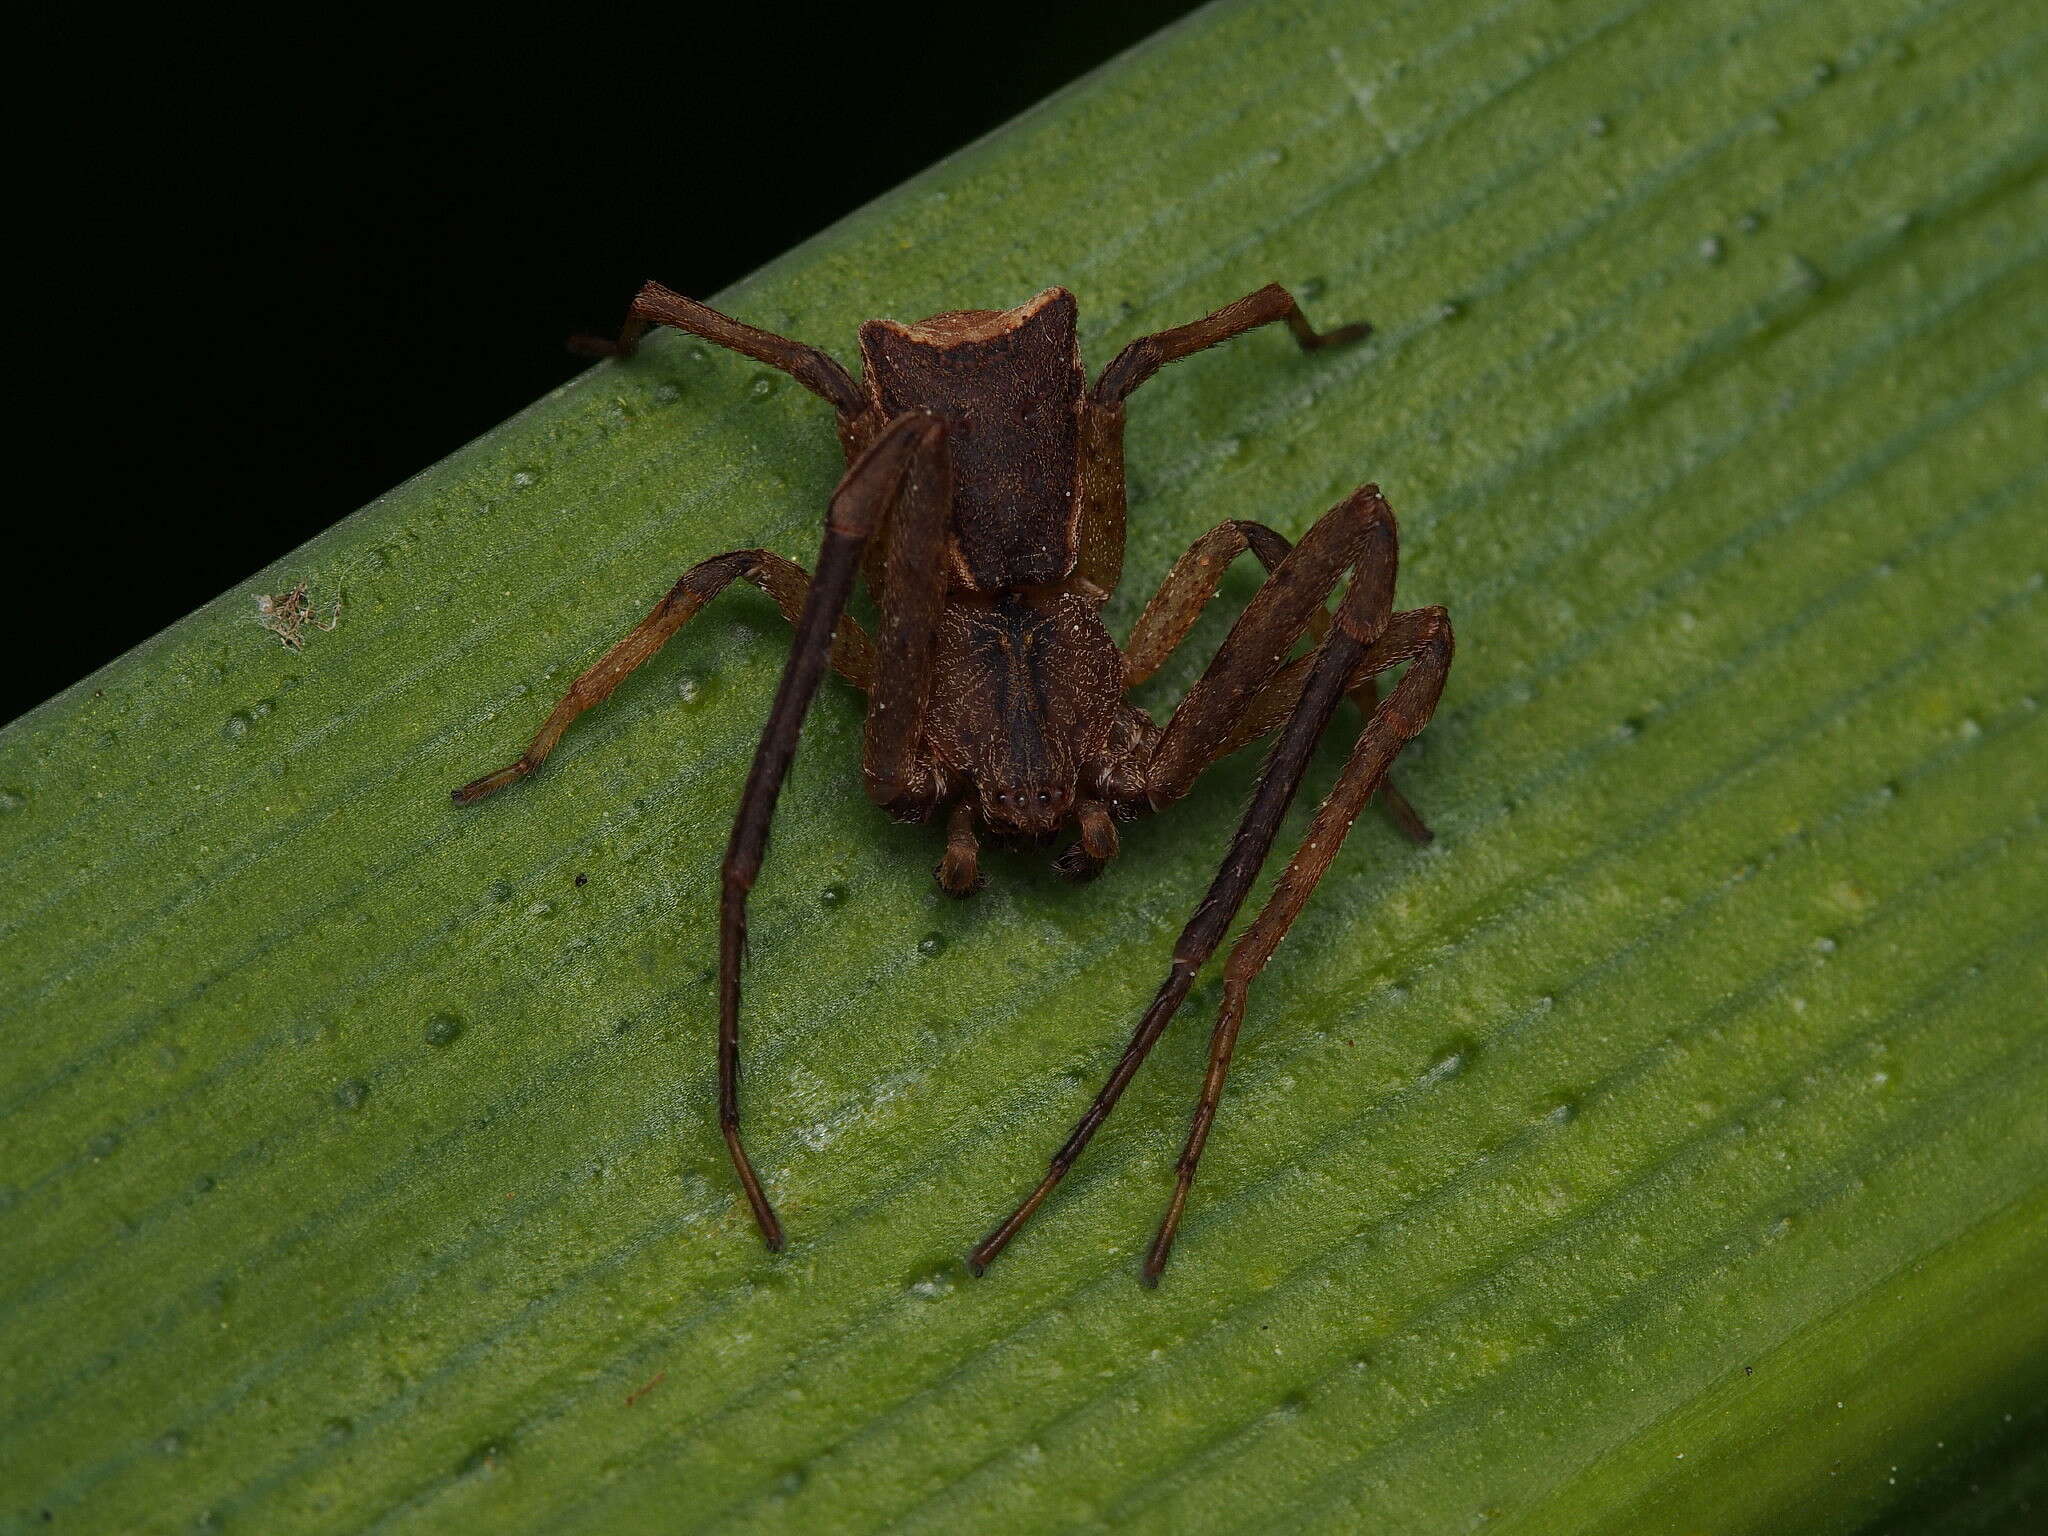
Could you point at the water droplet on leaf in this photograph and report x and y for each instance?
(443, 1029)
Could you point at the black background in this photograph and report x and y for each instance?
(282, 279)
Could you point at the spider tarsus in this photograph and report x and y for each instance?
(584, 344)
(1077, 865)
(1405, 816)
(1344, 335)
(990, 1248)
(764, 1215)
(1169, 1229)
(750, 1183)
(489, 784)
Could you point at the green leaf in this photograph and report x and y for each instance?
(1662, 1149)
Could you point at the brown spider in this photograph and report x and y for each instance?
(984, 504)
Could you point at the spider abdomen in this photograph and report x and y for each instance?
(1008, 384)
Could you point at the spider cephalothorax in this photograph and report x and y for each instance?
(983, 503)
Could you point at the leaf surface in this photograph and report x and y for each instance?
(1664, 1148)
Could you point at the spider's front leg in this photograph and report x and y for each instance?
(904, 477)
(817, 371)
(1421, 638)
(1247, 673)
(1270, 304)
(1188, 589)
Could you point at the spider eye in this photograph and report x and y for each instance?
(1043, 797)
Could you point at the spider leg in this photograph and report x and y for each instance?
(911, 597)
(871, 488)
(1099, 530)
(1366, 695)
(1357, 533)
(1148, 354)
(959, 871)
(1098, 843)
(1422, 638)
(817, 371)
(1188, 589)
(853, 653)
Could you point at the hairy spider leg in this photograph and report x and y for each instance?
(1422, 638)
(1359, 534)
(816, 370)
(1182, 597)
(1148, 354)
(870, 490)
(853, 654)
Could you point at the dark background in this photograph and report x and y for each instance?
(281, 281)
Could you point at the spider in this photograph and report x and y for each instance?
(983, 503)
